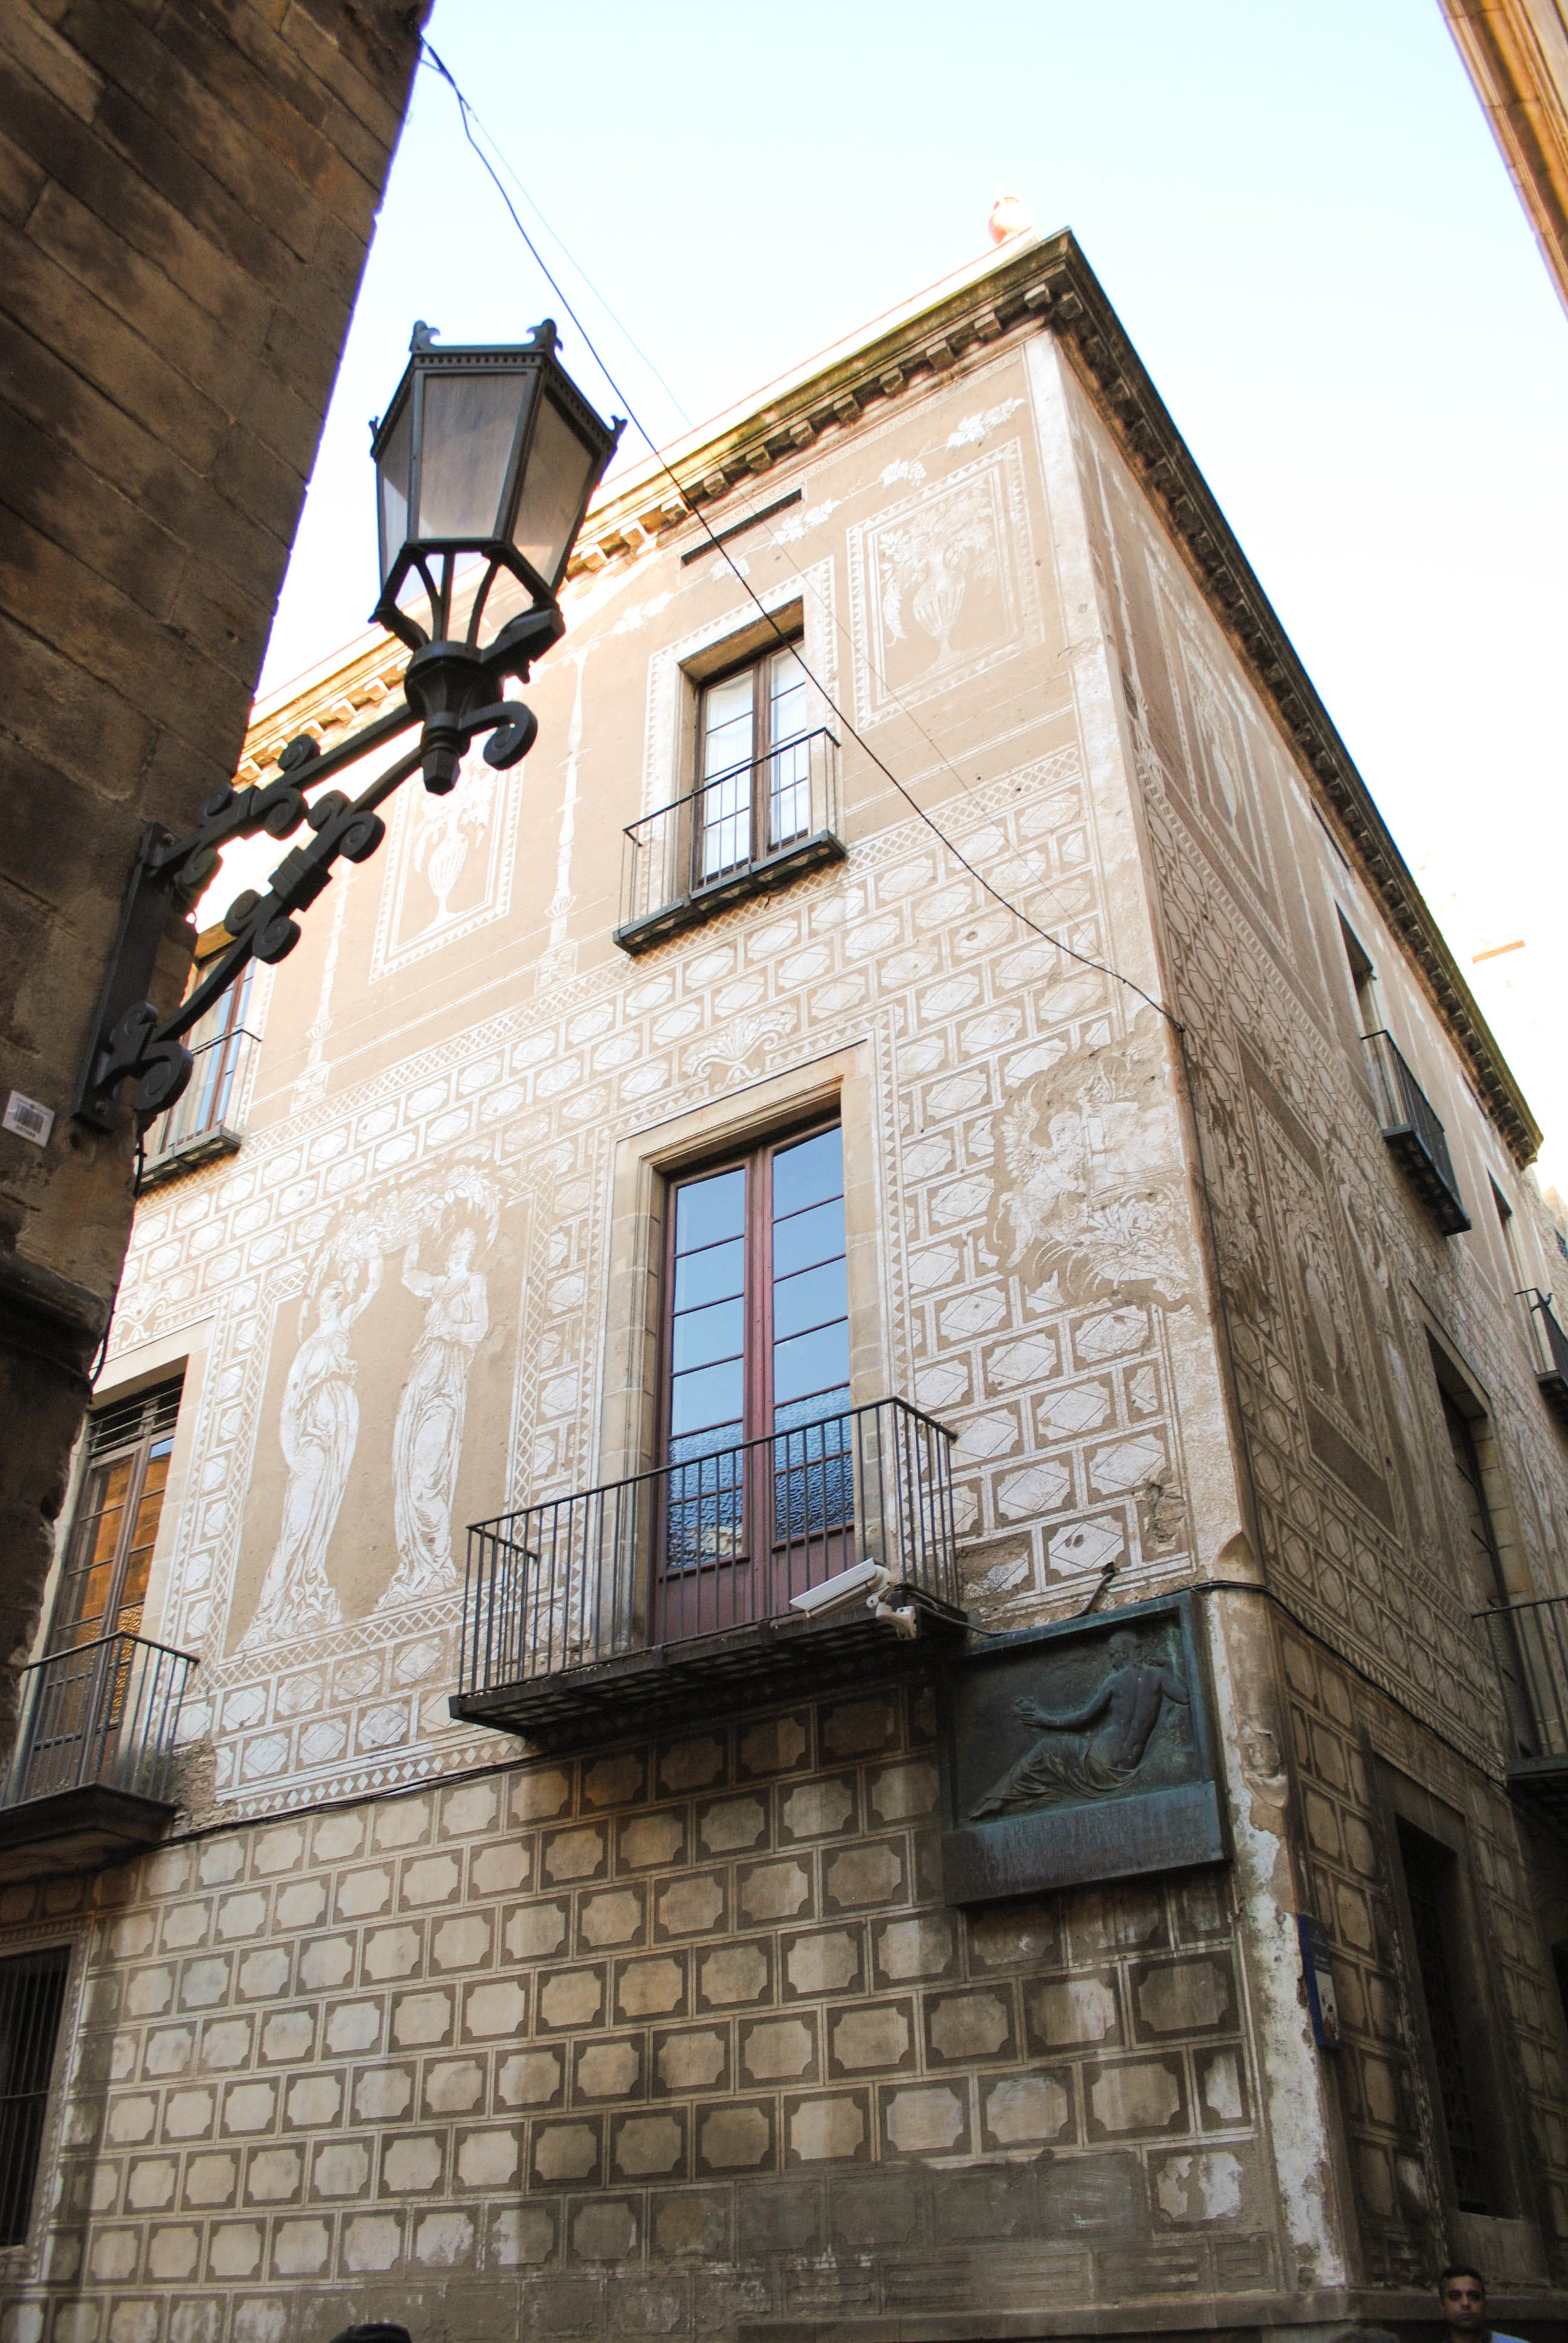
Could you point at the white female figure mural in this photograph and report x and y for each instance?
(427, 1437)
(319, 1429)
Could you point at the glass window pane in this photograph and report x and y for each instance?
(707, 1211)
(393, 471)
(815, 1297)
(702, 1336)
(724, 824)
(789, 794)
(810, 1362)
(554, 493)
(707, 1396)
(727, 710)
(787, 697)
(828, 1406)
(711, 1275)
(808, 1238)
(470, 421)
(807, 1172)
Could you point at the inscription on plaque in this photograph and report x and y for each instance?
(1079, 1752)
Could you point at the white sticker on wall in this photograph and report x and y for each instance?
(29, 1120)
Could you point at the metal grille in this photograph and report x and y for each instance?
(32, 1993)
(146, 1415)
(1410, 1125)
(1429, 1878)
(708, 1544)
(106, 1712)
(733, 823)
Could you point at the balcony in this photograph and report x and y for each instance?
(1530, 1647)
(713, 1582)
(88, 1782)
(1413, 1133)
(203, 1121)
(741, 833)
(1550, 1345)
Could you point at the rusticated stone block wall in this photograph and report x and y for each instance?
(669, 2035)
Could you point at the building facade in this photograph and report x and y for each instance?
(994, 1762)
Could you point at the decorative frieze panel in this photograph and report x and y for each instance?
(1084, 1752)
(941, 583)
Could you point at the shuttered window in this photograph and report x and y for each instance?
(110, 1551)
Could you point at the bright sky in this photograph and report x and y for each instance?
(1298, 213)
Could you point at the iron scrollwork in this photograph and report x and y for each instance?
(451, 690)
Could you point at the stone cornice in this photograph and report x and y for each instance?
(1031, 282)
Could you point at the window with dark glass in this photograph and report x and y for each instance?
(32, 1996)
(109, 1551)
(757, 1388)
(754, 779)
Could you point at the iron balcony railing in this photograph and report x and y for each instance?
(1550, 1345)
(105, 1715)
(710, 1543)
(205, 1118)
(1413, 1131)
(738, 832)
(1547, 1338)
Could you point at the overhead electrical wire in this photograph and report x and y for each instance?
(1083, 960)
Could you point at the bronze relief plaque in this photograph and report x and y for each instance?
(1079, 1752)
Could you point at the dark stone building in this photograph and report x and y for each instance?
(188, 188)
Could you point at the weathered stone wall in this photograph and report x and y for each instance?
(1335, 1280)
(187, 195)
(672, 2036)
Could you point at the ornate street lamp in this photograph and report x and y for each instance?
(489, 453)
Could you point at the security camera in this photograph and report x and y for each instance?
(864, 1581)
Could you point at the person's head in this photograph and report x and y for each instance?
(1461, 2291)
(1124, 1647)
(461, 1252)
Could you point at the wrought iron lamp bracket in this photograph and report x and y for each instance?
(451, 689)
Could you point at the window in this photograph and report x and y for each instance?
(1363, 976)
(1435, 1895)
(110, 1550)
(754, 778)
(31, 1996)
(756, 1435)
(200, 1124)
(1517, 1278)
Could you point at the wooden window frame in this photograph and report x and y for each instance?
(757, 658)
(64, 1633)
(758, 1255)
(677, 1598)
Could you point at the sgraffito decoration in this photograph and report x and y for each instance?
(1079, 1752)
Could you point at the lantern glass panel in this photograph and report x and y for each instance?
(394, 483)
(466, 444)
(560, 469)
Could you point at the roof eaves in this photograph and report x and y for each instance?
(1112, 371)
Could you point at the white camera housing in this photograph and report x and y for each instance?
(864, 1581)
